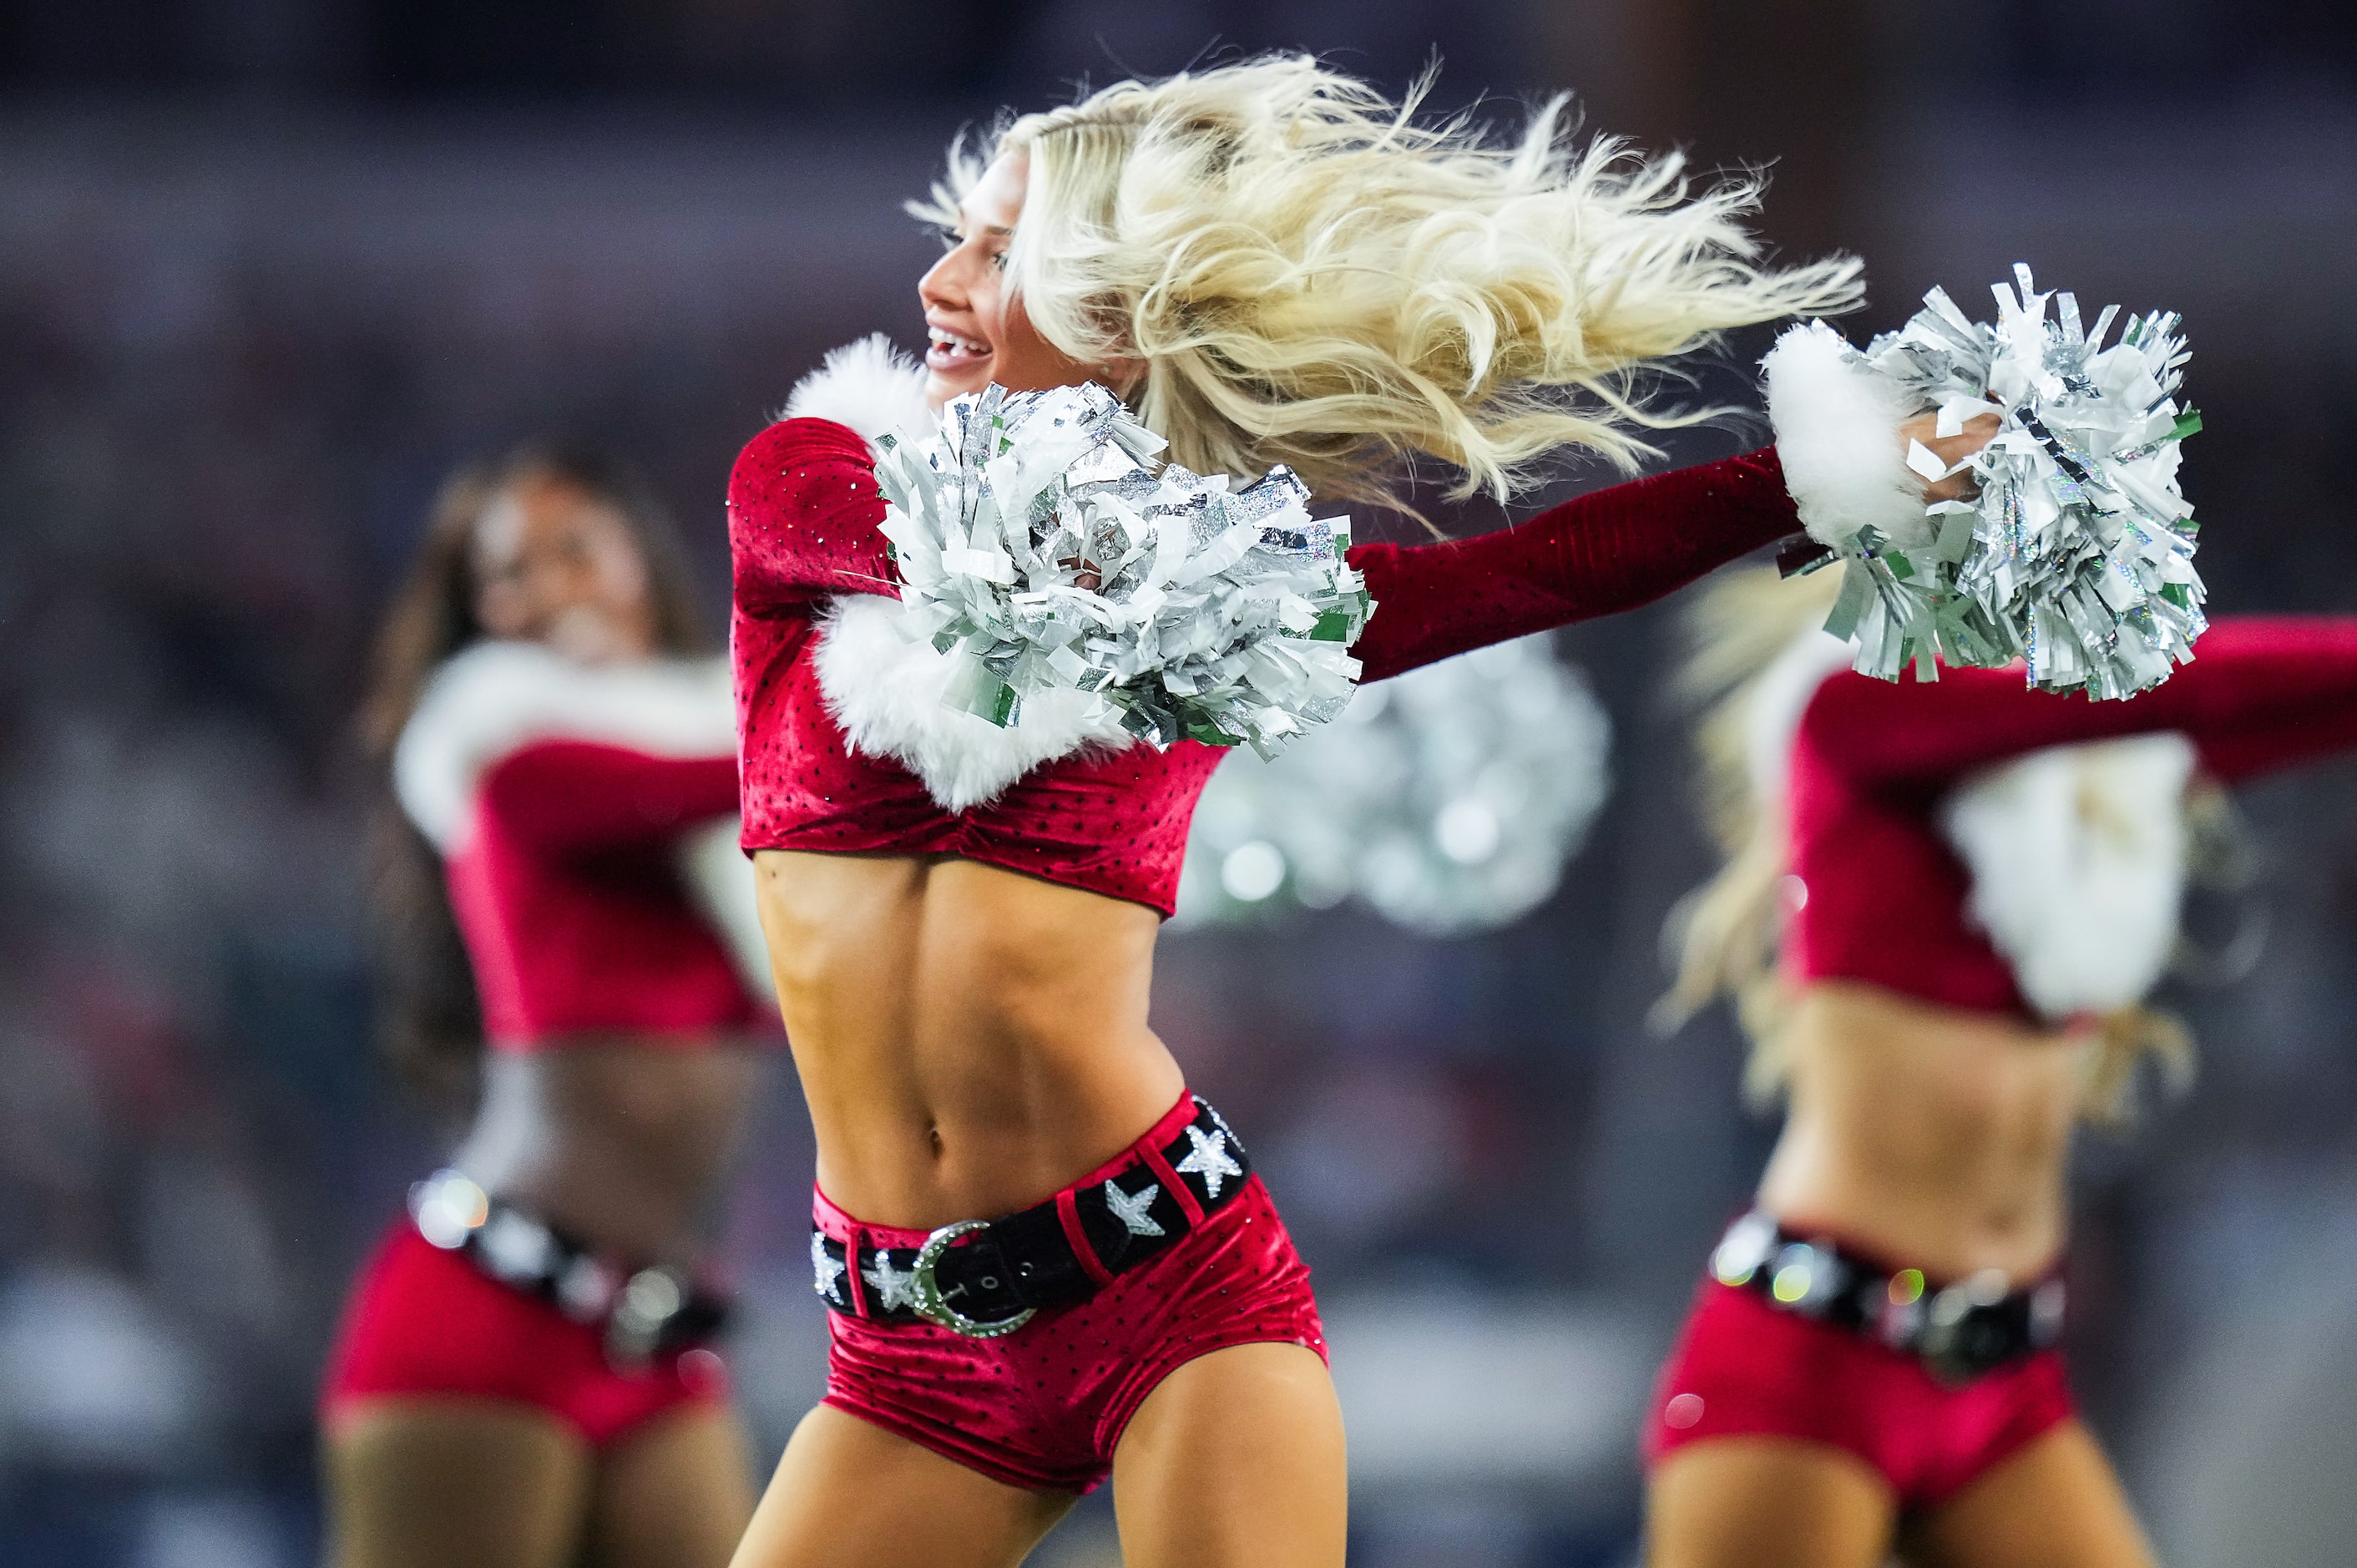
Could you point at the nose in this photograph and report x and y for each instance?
(550, 584)
(943, 284)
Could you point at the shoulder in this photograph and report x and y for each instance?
(494, 699)
(790, 445)
(795, 474)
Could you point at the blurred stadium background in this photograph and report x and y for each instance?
(267, 267)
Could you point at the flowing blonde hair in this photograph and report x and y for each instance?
(1308, 276)
(1722, 938)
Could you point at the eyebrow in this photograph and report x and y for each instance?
(996, 230)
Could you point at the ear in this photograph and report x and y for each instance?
(1126, 377)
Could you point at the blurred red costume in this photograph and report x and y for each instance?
(561, 799)
(1887, 902)
(1049, 1400)
(427, 1324)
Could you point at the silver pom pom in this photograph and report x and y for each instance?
(1449, 799)
(1038, 538)
(2077, 555)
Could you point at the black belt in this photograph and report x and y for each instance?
(1962, 1331)
(646, 1312)
(985, 1278)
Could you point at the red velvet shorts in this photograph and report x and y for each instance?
(424, 1323)
(1742, 1367)
(1043, 1407)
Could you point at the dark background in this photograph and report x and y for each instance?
(267, 268)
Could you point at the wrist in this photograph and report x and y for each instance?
(1836, 423)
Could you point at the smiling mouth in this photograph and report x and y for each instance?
(948, 353)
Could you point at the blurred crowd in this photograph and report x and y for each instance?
(252, 310)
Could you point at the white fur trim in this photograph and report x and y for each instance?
(719, 878)
(869, 386)
(495, 698)
(887, 692)
(1772, 717)
(2078, 862)
(1838, 435)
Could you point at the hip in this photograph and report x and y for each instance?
(1022, 1347)
(427, 1321)
(1931, 1382)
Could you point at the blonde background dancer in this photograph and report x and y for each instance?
(1943, 908)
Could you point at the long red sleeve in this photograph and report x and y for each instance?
(565, 798)
(804, 509)
(802, 515)
(2262, 692)
(1597, 554)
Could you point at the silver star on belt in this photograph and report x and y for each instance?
(1219, 1120)
(1209, 1159)
(824, 1270)
(1131, 1211)
(893, 1286)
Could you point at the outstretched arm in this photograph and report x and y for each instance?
(2262, 692)
(1597, 554)
(802, 514)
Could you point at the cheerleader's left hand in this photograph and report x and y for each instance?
(1977, 433)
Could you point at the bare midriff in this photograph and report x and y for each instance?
(621, 1143)
(970, 1039)
(1931, 1137)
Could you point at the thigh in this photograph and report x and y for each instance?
(675, 1494)
(2055, 1504)
(850, 1494)
(1767, 1502)
(1235, 1461)
(454, 1483)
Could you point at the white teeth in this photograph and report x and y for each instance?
(950, 340)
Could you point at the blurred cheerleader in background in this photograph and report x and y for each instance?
(1943, 908)
(519, 1380)
(974, 738)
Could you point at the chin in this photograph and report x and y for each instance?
(941, 388)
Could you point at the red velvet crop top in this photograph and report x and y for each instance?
(1887, 897)
(568, 803)
(803, 512)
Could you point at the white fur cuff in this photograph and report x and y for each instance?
(890, 694)
(495, 698)
(2078, 862)
(1838, 435)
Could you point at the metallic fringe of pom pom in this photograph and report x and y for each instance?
(2077, 556)
(1448, 800)
(1038, 538)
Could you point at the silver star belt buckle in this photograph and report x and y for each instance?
(934, 1307)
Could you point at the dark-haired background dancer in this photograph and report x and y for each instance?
(521, 1379)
